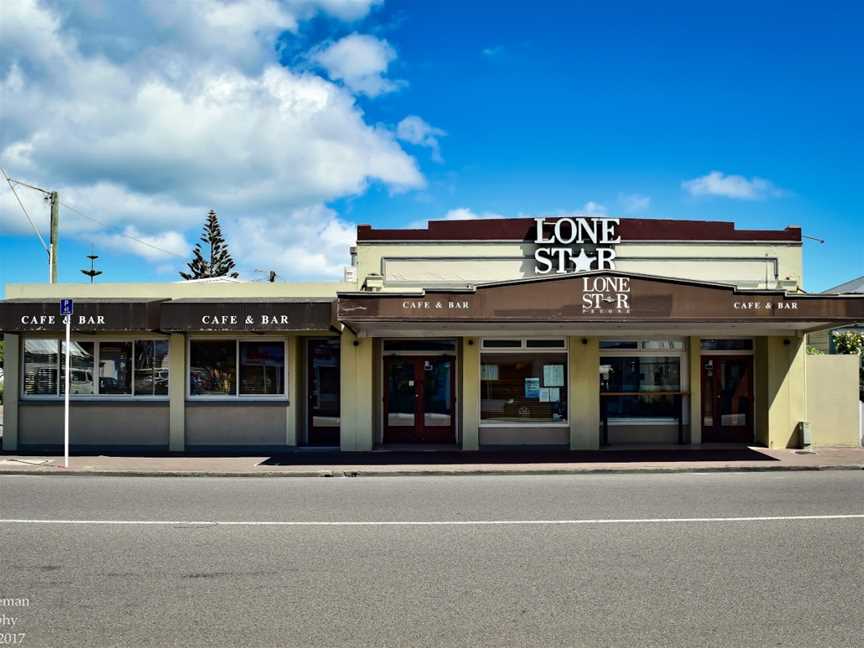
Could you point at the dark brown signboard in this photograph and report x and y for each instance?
(601, 297)
(247, 315)
(90, 316)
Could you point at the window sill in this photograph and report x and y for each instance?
(233, 401)
(129, 401)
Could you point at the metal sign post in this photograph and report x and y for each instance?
(66, 308)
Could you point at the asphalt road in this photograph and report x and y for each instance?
(567, 580)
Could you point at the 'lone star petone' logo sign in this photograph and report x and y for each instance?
(562, 255)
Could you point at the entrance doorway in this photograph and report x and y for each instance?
(419, 399)
(727, 399)
(323, 420)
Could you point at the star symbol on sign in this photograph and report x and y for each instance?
(582, 263)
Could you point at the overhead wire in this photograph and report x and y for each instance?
(23, 208)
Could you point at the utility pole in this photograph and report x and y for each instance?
(54, 198)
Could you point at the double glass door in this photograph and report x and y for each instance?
(419, 399)
(727, 399)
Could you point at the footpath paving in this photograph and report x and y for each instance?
(396, 463)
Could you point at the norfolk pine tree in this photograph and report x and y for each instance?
(219, 263)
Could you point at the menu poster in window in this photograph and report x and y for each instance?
(544, 394)
(532, 388)
(553, 375)
(489, 372)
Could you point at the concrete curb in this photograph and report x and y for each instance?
(430, 472)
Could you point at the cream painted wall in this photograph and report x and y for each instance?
(11, 387)
(743, 263)
(583, 393)
(180, 290)
(832, 400)
(471, 437)
(177, 391)
(781, 402)
(356, 378)
(236, 424)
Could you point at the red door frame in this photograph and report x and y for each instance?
(715, 432)
(420, 433)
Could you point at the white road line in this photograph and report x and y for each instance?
(410, 523)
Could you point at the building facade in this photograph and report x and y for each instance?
(577, 333)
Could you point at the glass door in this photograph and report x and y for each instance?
(419, 397)
(727, 399)
(323, 386)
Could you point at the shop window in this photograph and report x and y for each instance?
(524, 343)
(729, 344)
(98, 368)
(523, 388)
(40, 367)
(213, 367)
(151, 368)
(236, 368)
(262, 368)
(640, 387)
(643, 345)
(115, 368)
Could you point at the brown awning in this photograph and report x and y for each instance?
(90, 315)
(250, 315)
(601, 297)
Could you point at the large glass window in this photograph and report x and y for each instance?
(652, 381)
(232, 368)
(151, 368)
(98, 368)
(523, 387)
(115, 367)
(262, 368)
(213, 367)
(40, 367)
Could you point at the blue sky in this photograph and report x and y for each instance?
(298, 120)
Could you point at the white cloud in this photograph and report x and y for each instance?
(159, 247)
(417, 131)
(360, 62)
(592, 208)
(145, 115)
(492, 52)
(738, 187)
(633, 203)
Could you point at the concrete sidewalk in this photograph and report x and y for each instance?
(395, 463)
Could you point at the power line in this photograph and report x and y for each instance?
(24, 209)
(124, 234)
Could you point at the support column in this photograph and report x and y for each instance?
(356, 382)
(177, 392)
(11, 389)
(470, 393)
(695, 398)
(293, 390)
(584, 393)
(786, 394)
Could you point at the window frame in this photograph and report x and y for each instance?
(96, 395)
(237, 396)
(684, 371)
(523, 349)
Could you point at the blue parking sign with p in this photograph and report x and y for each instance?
(65, 307)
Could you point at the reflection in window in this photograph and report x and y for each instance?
(151, 368)
(80, 368)
(115, 367)
(524, 388)
(262, 368)
(212, 368)
(40, 367)
(640, 375)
